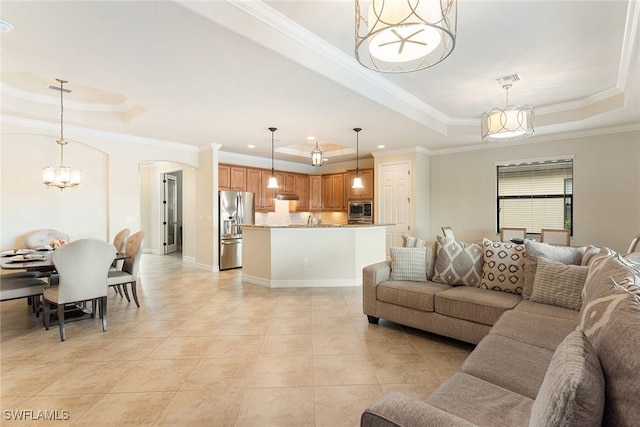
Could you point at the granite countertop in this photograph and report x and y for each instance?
(313, 226)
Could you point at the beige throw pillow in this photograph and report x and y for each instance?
(573, 390)
(412, 242)
(559, 284)
(534, 250)
(503, 268)
(408, 264)
(457, 263)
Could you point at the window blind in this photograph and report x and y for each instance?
(535, 195)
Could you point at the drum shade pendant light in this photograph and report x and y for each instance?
(357, 181)
(316, 156)
(509, 123)
(400, 36)
(64, 177)
(273, 182)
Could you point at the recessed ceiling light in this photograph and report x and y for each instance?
(311, 138)
(251, 146)
(380, 146)
(5, 27)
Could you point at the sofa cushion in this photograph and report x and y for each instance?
(408, 264)
(610, 322)
(419, 295)
(572, 393)
(533, 250)
(593, 254)
(548, 310)
(503, 268)
(508, 363)
(475, 304)
(534, 328)
(559, 284)
(458, 263)
(480, 402)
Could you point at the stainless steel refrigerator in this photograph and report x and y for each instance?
(235, 209)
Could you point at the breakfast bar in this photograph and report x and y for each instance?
(281, 256)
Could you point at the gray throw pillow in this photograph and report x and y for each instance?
(533, 250)
(573, 390)
(408, 264)
(559, 284)
(457, 263)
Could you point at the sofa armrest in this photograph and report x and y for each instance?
(397, 410)
(372, 275)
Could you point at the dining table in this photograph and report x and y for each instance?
(34, 260)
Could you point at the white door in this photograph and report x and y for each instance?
(170, 221)
(394, 200)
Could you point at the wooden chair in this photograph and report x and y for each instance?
(508, 233)
(119, 240)
(557, 237)
(448, 232)
(82, 268)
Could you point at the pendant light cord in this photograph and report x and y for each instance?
(357, 130)
(272, 152)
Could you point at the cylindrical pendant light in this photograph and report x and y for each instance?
(357, 181)
(273, 182)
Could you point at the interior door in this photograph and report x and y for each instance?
(170, 221)
(394, 201)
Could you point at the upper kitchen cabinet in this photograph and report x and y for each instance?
(257, 180)
(232, 178)
(365, 193)
(315, 193)
(333, 192)
(302, 190)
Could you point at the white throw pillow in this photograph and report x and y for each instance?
(408, 264)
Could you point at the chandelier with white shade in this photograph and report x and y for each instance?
(399, 36)
(64, 176)
(509, 123)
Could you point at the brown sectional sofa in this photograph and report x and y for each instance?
(535, 363)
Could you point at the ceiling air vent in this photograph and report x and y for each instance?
(508, 80)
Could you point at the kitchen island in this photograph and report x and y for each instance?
(282, 256)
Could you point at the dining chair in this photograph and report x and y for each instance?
(508, 233)
(448, 232)
(557, 237)
(82, 268)
(634, 246)
(119, 241)
(129, 272)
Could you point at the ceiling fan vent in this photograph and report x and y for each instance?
(508, 80)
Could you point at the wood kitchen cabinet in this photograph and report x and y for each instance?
(232, 178)
(333, 192)
(257, 180)
(302, 190)
(365, 193)
(315, 193)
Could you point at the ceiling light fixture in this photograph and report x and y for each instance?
(316, 156)
(509, 123)
(64, 177)
(357, 181)
(273, 182)
(400, 36)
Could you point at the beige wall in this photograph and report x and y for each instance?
(606, 188)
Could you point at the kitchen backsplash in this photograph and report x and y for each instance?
(282, 216)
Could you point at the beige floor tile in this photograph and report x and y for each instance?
(332, 325)
(347, 369)
(402, 368)
(282, 371)
(47, 410)
(30, 379)
(155, 375)
(182, 348)
(284, 326)
(244, 326)
(240, 346)
(326, 344)
(220, 374)
(287, 345)
(199, 326)
(126, 409)
(338, 406)
(195, 408)
(417, 391)
(336, 309)
(276, 407)
(89, 378)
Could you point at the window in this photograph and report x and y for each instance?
(536, 195)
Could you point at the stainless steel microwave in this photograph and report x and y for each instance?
(360, 212)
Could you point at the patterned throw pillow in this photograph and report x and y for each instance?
(457, 263)
(534, 250)
(408, 264)
(559, 284)
(572, 392)
(412, 242)
(503, 268)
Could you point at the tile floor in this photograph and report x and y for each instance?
(206, 349)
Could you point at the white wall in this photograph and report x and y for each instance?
(606, 188)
